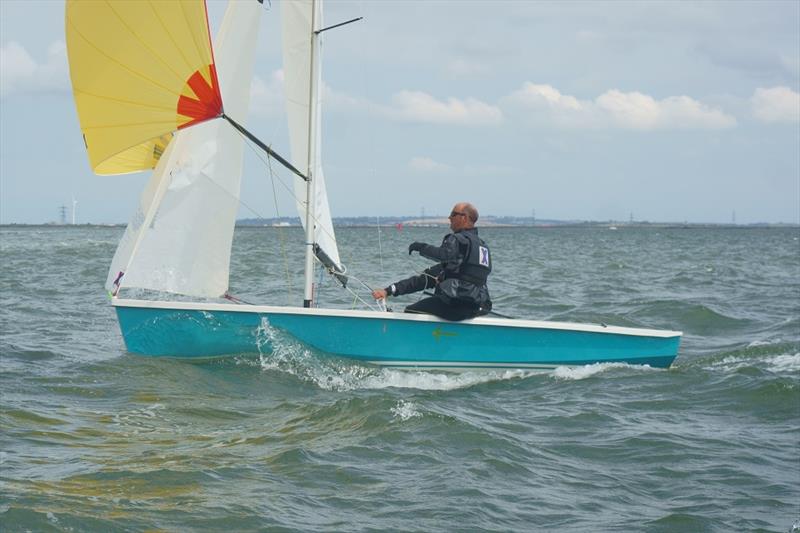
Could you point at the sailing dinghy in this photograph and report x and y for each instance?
(152, 92)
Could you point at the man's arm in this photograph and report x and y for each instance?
(426, 280)
(446, 253)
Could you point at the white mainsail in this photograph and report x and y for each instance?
(299, 19)
(179, 239)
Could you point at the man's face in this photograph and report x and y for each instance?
(458, 218)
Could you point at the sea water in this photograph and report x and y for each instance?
(96, 439)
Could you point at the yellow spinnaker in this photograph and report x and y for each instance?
(140, 70)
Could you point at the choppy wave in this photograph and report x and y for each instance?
(786, 363)
(294, 439)
(587, 371)
(700, 319)
(406, 410)
(773, 355)
(282, 352)
(783, 363)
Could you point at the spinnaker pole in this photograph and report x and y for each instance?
(241, 129)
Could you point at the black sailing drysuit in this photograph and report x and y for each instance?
(458, 280)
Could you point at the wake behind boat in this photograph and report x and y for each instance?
(153, 93)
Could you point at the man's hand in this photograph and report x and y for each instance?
(416, 247)
(379, 294)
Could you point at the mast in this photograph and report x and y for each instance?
(313, 124)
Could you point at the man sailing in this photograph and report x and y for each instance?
(458, 278)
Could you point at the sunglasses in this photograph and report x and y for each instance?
(457, 214)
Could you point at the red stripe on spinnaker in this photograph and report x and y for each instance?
(208, 103)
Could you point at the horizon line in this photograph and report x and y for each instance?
(412, 221)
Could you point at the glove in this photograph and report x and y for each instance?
(416, 247)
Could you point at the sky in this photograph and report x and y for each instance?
(658, 111)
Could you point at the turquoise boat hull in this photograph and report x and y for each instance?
(202, 330)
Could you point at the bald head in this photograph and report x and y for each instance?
(471, 211)
(463, 216)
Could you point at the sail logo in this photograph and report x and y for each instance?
(484, 256)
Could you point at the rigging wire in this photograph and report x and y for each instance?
(380, 244)
(378, 305)
(381, 306)
(276, 176)
(366, 87)
(281, 233)
(356, 296)
(368, 129)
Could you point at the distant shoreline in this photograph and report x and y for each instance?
(490, 223)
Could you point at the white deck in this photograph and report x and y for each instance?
(379, 315)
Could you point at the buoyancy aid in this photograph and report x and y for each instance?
(477, 263)
(465, 282)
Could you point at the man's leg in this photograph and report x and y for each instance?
(435, 306)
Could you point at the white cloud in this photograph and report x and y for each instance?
(417, 106)
(337, 101)
(640, 111)
(777, 104)
(616, 109)
(629, 110)
(427, 165)
(16, 66)
(19, 72)
(548, 103)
